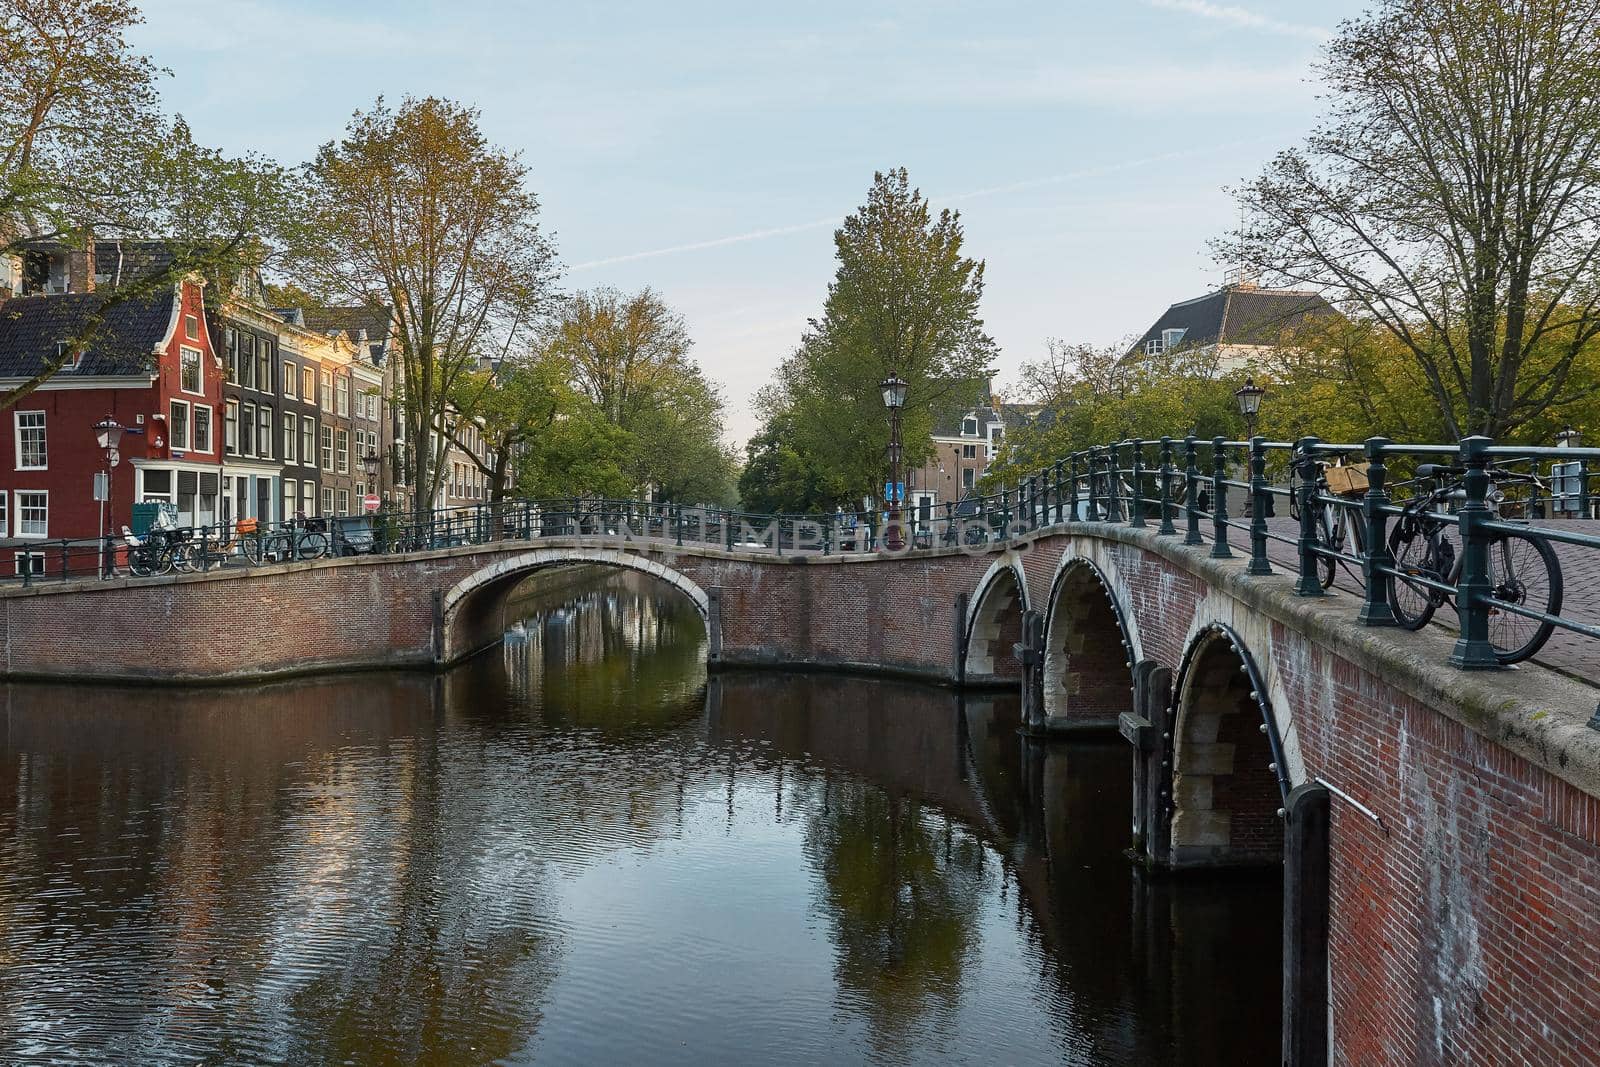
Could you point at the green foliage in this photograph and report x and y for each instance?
(582, 454)
(86, 153)
(903, 301)
(777, 477)
(629, 358)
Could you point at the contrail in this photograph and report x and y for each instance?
(1239, 16)
(971, 194)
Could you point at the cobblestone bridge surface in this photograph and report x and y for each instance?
(1439, 829)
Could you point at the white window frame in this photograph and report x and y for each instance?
(44, 430)
(5, 513)
(19, 534)
(247, 415)
(341, 451)
(265, 416)
(184, 353)
(172, 438)
(291, 498)
(211, 428)
(308, 441)
(327, 500)
(291, 431)
(35, 562)
(341, 395)
(327, 391)
(230, 428)
(291, 379)
(325, 448)
(343, 505)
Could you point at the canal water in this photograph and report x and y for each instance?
(582, 849)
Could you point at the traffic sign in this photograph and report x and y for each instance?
(370, 502)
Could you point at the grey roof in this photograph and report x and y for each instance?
(31, 326)
(374, 318)
(1238, 315)
(138, 259)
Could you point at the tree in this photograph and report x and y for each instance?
(777, 477)
(1094, 396)
(903, 301)
(630, 357)
(581, 454)
(1453, 196)
(86, 154)
(512, 403)
(415, 209)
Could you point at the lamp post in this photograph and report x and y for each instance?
(108, 434)
(894, 398)
(1249, 398)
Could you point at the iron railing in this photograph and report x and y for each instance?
(1212, 492)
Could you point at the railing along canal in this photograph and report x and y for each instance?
(1417, 527)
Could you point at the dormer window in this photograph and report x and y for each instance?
(1170, 338)
(66, 358)
(1154, 347)
(969, 427)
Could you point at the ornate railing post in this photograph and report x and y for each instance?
(1583, 488)
(1060, 493)
(1377, 559)
(1136, 510)
(1114, 483)
(1166, 487)
(1260, 504)
(1474, 651)
(1072, 488)
(1094, 484)
(1191, 492)
(1305, 469)
(1219, 500)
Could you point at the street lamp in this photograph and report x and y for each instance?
(894, 398)
(1249, 397)
(1568, 438)
(108, 434)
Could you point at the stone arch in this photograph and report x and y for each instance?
(1228, 780)
(1089, 650)
(994, 623)
(471, 615)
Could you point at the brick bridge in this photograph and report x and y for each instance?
(1440, 830)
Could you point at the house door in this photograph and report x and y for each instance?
(264, 499)
(227, 500)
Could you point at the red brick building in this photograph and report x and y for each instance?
(152, 368)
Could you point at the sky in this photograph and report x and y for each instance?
(708, 150)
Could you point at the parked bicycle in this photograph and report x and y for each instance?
(152, 554)
(1523, 570)
(1338, 522)
(299, 538)
(219, 545)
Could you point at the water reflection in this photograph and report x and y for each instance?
(582, 849)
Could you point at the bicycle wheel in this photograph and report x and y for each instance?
(1332, 533)
(142, 563)
(251, 550)
(1525, 572)
(312, 545)
(1414, 546)
(185, 558)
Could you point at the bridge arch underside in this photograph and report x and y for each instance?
(474, 610)
(1225, 797)
(1087, 674)
(995, 629)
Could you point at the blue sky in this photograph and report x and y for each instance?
(707, 149)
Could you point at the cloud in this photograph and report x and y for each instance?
(1241, 17)
(1021, 185)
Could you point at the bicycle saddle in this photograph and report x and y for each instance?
(1436, 470)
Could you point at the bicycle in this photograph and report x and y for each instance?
(299, 538)
(1334, 524)
(190, 554)
(1523, 570)
(149, 555)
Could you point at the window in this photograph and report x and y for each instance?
(178, 425)
(327, 390)
(1170, 338)
(308, 385)
(327, 500)
(343, 451)
(31, 454)
(66, 358)
(33, 513)
(327, 448)
(1153, 347)
(189, 370)
(247, 360)
(995, 433)
(969, 451)
(191, 327)
(290, 496)
(969, 477)
(230, 428)
(247, 430)
(344, 502)
(264, 380)
(289, 426)
(264, 431)
(202, 428)
(5, 527)
(969, 427)
(290, 379)
(372, 406)
(230, 341)
(30, 562)
(157, 485)
(342, 393)
(308, 497)
(308, 440)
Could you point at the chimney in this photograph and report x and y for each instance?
(80, 267)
